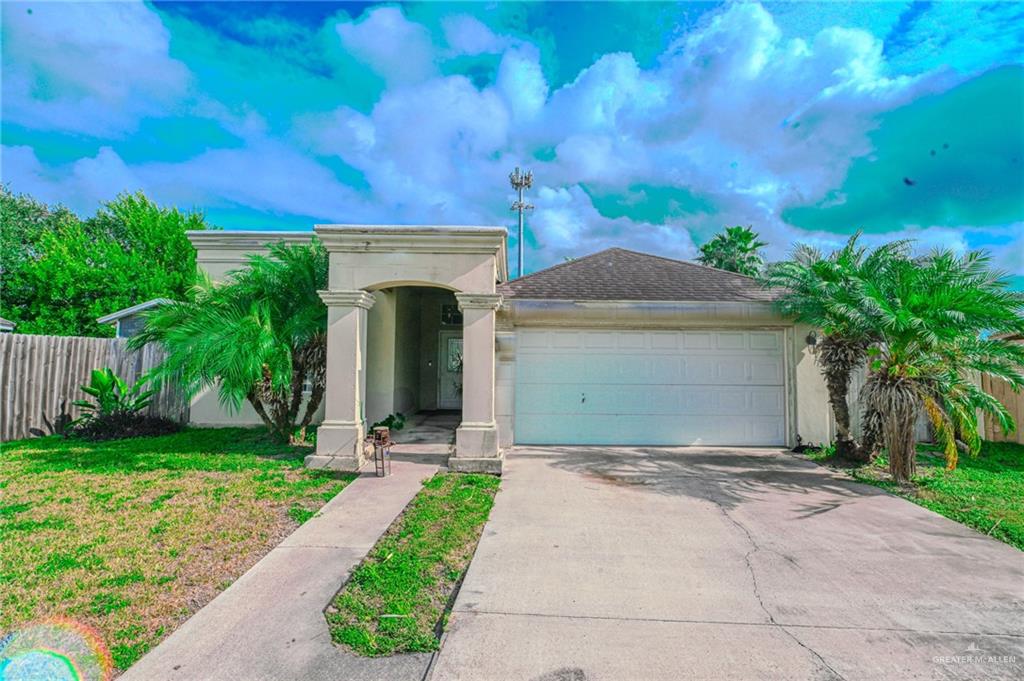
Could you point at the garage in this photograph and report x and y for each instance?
(637, 387)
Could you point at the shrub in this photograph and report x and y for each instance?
(393, 422)
(115, 410)
(113, 396)
(122, 425)
(61, 422)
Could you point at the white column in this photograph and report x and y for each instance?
(339, 439)
(476, 440)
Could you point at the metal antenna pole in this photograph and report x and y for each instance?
(521, 181)
(520, 242)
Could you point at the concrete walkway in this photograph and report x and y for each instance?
(269, 625)
(627, 564)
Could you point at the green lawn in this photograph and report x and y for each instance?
(984, 492)
(397, 599)
(133, 536)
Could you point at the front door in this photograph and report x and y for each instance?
(449, 371)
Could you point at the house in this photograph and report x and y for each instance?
(130, 320)
(6, 326)
(615, 348)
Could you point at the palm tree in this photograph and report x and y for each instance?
(737, 249)
(258, 337)
(824, 291)
(934, 315)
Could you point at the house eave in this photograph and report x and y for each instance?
(134, 309)
(639, 313)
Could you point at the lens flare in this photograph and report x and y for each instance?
(56, 649)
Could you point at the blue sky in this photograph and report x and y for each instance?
(647, 125)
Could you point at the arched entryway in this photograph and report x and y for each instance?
(377, 364)
(414, 364)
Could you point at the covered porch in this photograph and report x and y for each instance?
(411, 321)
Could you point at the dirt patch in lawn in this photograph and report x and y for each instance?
(133, 536)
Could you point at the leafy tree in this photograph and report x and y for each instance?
(23, 221)
(933, 316)
(60, 273)
(257, 337)
(826, 292)
(737, 249)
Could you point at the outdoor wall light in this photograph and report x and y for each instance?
(812, 339)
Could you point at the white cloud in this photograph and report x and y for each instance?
(395, 48)
(468, 35)
(522, 84)
(95, 68)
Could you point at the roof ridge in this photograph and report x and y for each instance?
(688, 262)
(562, 264)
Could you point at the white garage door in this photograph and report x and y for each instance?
(649, 387)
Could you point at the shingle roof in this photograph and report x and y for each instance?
(619, 274)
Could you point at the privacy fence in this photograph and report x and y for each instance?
(993, 386)
(1014, 402)
(38, 373)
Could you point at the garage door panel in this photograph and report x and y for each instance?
(551, 368)
(765, 371)
(599, 339)
(667, 400)
(529, 339)
(730, 371)
(733, 340)
(650, 387)
(652, 430)
(566, 339)
(765, 340)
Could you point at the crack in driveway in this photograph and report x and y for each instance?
(755, 547)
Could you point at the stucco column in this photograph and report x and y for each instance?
(339, 439)
(476, 440)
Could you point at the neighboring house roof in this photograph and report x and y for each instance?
(619, 274)
(6, 325)
(129, 311)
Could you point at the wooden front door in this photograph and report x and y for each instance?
(449, 371)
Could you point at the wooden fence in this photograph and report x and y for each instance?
(922, 431)
(994, 387)
(38, 372)
(1014, 403)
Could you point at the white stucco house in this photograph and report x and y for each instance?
(614, 348)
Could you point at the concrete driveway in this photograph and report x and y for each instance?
(639, 563)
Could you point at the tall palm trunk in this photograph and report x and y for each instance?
(897, 400)
(838, 358)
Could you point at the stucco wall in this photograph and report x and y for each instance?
(218, 253)
(380, 356)
(813, 413)
(407, 350)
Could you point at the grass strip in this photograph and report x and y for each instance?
(397, 600)
(985, 492)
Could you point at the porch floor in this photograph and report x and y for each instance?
(427, 434)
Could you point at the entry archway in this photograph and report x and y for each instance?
(370, 264)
